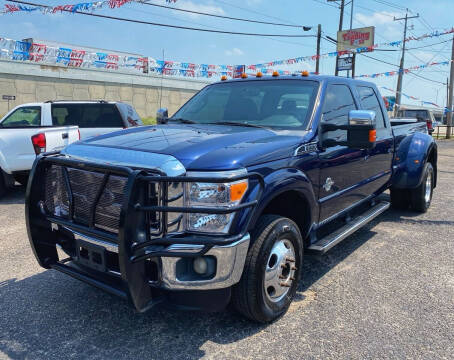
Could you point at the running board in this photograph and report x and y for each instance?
(323, 245)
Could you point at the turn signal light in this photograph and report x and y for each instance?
(223, 78)
(237, 190)
(259, 74)
(243, 75)
(372, 135)
(275, 73)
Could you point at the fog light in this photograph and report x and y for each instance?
(200, 265)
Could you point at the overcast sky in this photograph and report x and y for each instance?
(210, 48)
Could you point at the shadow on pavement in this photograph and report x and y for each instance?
(50, 315)
(14, 195)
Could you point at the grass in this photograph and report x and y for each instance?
(149, 121)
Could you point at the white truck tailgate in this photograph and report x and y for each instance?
(58, 138)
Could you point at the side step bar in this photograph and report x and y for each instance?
(323, 245)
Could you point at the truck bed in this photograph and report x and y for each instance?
(402, 131)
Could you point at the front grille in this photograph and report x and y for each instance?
(85, 186)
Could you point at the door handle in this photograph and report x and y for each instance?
(64, 135)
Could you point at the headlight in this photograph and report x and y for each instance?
(213, 195)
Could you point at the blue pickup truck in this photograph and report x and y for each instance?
(218, 203)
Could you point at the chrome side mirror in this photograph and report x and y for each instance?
(361, 118)
(361, 133)
(162, 116)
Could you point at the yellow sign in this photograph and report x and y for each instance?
(355, 38)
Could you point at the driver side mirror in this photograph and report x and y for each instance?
(362, 133)
(162, 116)
(361, 130)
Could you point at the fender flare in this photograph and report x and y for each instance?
(410, 159)
(280, 182)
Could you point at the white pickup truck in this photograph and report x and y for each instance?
(29, 129)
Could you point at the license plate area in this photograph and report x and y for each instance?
(91, 255)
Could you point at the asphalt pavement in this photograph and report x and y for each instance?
(387, 291)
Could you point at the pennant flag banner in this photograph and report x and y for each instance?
(40, 53)
(423, 102)
(405, 71)
(85, 6)
(341, 53)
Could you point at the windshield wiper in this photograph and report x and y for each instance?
(183, 121)
(234, 123)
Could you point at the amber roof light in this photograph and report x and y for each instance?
(259, 74)
(223, 78)
(243, 75)
(305, 73)
(275, 73)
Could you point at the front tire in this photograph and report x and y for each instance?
(272, 270)
(421, 197)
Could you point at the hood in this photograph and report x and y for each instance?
(198, 147)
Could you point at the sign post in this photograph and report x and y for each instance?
(8, 98)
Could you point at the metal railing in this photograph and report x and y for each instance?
(441, 132)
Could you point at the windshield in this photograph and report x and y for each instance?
(280, 104)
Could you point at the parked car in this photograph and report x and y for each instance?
(60, 123)
(219, 202)
(420, 113)
(24, 134)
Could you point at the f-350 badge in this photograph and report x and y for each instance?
(328, 184)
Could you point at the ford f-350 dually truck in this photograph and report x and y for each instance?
(218, 203)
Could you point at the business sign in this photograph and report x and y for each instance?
(8, 97)
(344, 63)
(238, 70)
(355, 38)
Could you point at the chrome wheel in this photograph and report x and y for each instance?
(428, 192)
(280, 270)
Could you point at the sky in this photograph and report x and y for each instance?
(212, 48)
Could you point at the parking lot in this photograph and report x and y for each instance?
(385, 292)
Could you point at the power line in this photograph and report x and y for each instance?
(164, 25)
(210, 27)
(226, 17)
(422, 77)
(254, 11)
(390, 4)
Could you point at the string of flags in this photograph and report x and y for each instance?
(345, 52)
(405, 71)
(85, 6)
(62, 56)
(423, 102)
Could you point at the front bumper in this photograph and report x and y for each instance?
(128, 258)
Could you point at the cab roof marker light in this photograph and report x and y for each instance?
(305, 73)
(243, 75)
(223, 78)
(259, 74)
(275, 73)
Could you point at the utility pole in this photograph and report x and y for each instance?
(401, 67)
(341, 20)
(317, 61)
(353, 60)
(451, 83)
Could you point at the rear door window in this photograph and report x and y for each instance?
(24, 117)
(86, 115)
(129, 113)
(369, 101)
